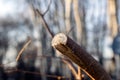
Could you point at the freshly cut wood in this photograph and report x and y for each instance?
(77, 54)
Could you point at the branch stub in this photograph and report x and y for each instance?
(60, 38)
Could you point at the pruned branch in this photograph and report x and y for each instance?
(88, 64)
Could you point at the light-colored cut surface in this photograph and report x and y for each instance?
(60, 38)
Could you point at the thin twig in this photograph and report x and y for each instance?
(47, 8)
(70, 30)
(79, 73)
(43, 19)
(37, 73)
(70, 67)
(21, 51)
(45, 23)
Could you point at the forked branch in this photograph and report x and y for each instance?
(45, 23)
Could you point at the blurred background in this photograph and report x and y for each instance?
(94, 25)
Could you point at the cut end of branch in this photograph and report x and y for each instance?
(60, 38)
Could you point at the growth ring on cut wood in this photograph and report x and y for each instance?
(58, 39)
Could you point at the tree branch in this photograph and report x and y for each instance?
(47, 8)
(45, 23)
(88, 64)
(21, 51)
(43, 19)
(70, 67)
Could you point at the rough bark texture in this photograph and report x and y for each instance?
(78, 55)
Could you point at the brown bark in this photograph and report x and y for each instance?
(78, 55)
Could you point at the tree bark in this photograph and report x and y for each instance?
(88, 64)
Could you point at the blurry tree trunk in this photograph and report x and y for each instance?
(118, 13)
(77, 20)
(39, 41)
(112, 19)
(87, 63)
(67, 15)
(113, 26)
(117, 56)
